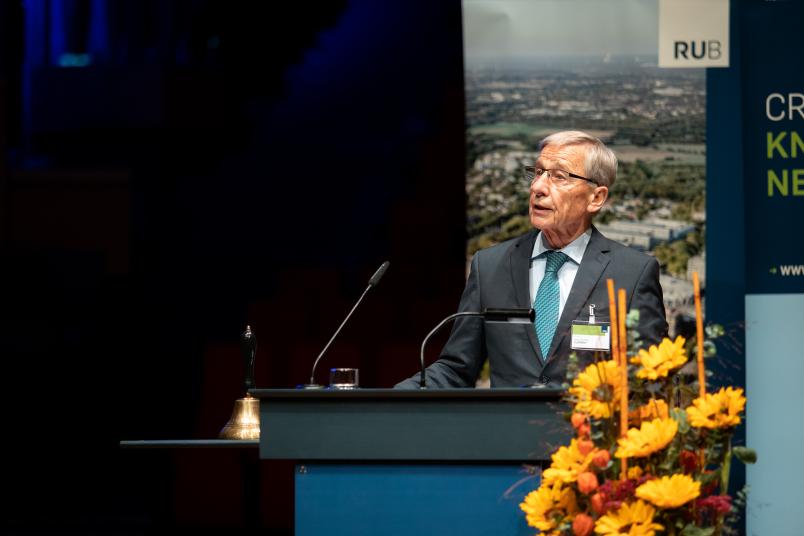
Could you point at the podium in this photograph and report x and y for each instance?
(385, 461)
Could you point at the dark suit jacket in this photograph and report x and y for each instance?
(499, 277)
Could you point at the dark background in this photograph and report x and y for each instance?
(171, 171)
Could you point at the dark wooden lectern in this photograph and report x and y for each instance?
(384, 461)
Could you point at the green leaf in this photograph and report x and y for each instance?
(680, 416)
(713, 331)
(708, 478)
(745, 454)
(709, 349)
(692, 530)
(654, 388)
(632, 318)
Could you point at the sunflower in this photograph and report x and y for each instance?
(657, 361)
(651, 437)
(669, 491)
(568, 463)
(630, 519)
(597, 389)
(547, 507)
(654, 409)
(718, 410)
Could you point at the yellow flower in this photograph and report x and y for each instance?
(635, 472)
(630, 519)
(657, 361)
(669, 491)
(547, 507)
(654, 409)
(718, 410)
(651, 437)
(568, 463)
(597, 389)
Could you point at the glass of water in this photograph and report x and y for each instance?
(343, 378)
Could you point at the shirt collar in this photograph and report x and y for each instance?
(574, 250)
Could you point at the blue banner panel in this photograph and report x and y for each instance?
(366, 500)
(774, 372)
(773, 141)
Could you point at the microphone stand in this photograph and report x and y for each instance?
(372, 283)
(492, 315)
(422, 381)
(312, 384)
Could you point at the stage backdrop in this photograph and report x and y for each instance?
(536, 67)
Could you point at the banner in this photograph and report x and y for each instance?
(537, 67)
(773, 144)
(773, 149)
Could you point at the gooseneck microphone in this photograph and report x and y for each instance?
(514, 316)
(372, 283)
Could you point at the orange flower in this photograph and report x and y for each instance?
(587, 482)
(598, 503)
(585, 446)
(584, 430)
(582, 525)
(601, 458)
(577, 419)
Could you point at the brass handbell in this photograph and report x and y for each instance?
(245, 420)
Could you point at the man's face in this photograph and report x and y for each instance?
(561, 208)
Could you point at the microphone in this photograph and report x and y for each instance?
(371, 284)
(514, 316)
(378, 274)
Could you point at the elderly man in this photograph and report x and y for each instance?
(560, 268)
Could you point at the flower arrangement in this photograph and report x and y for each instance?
(648, 456)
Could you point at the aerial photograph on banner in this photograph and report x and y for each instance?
(533, 68)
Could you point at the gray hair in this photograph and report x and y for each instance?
(600, 163)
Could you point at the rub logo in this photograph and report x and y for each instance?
(697, 50)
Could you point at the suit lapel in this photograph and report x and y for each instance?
(520, 274)
(594, 261)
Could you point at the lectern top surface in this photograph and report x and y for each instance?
(424, 394)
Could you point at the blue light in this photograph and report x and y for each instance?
(70, 59)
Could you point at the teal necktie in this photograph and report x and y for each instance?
(547, 301)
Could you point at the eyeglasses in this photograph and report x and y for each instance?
(558, 177)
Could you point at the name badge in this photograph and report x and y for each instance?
(591, 334)
(587, 336)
